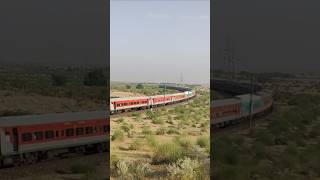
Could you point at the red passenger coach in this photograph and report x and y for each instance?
(223, 110)
(36, 137)
(144, 102)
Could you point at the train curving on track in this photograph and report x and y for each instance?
(241, 106)
(145, 102)
(31, 138)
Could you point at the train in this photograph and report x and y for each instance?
(229, 111)
(145, 102)
(31, 138)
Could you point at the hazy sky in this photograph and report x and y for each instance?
(156, 41)
(53, 31)
(269, 35)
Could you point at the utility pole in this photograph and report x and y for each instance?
(164, 93)
(229, 58)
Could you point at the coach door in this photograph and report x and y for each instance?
(15, 139)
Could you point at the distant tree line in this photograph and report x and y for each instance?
(96, 77)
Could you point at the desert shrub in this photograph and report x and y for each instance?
(185, 169)
(196, 152)
(125, 127)
(113, 161)
(157, 120)
(129, 170)
(173, 131)
(168, 153)
(259, 149)
(122, 168)
(170, 121)
(151, 140)
(231, 173)
(118, 135)
(265, 137)
(161, 131)
(139, 170)
(146, 131)
(183, 142)
(204, 142)
(137, 116)
(139, 86)
(95, 77)
(58, 80)
(120, 120)
(204, 129)
(227, 153)
(136, 144)
(315, 131)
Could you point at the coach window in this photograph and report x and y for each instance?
(62, 133)
(26, 137)
(49, 134)
(89, 130)
(57, 134)
(95, 129)
(79, 131)
(38, 135)
(70, 132)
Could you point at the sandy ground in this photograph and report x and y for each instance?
(58, 169)
(115, 93)
(121, 148)
(38, 104)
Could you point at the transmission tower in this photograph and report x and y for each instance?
(181, 79)
(229, 59)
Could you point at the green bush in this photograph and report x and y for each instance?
(161, 131)
(118, 135)
(146, 131)
(58, 80)
(173, 131)
(152, 141)
(204, 142)
(265, 137)
(157, 121)
(184, 169)
(136, 144)
(139, 86)
(126, 127)
(168, 153)
(96, 77)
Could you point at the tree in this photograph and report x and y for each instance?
(139, 86)
(95, 78)
(58, 80)
(128, 86)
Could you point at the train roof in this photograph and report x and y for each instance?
(51, 118)
(222, 102)
(129, 98)
(247, 96)
(143, 97)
